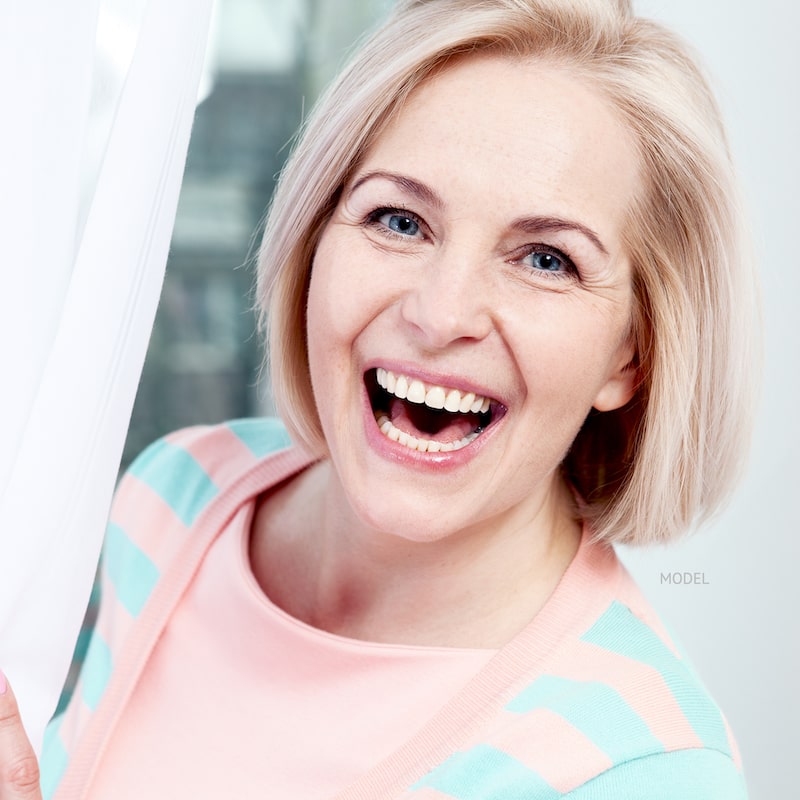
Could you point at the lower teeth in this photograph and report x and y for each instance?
(422, 445)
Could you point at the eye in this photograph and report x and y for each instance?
(544, 261)
(399, 222)
(548, 260)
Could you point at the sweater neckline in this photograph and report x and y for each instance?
(588, 585)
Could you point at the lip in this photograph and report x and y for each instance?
(394, 451)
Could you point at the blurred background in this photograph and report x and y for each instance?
(268, 59)
(267, 62)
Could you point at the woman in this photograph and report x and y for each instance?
(507, 303)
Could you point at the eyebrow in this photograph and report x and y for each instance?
(555, 224)
(536, 224)
(414, 188)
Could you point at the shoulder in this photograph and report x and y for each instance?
(617, 712)
(159, 502)
(646, 708)
(162, 495)
(698, 773)
(181, 473)
(187, 468)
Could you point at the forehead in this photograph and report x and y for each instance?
(518, 131)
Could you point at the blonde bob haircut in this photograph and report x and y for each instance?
(648, 471)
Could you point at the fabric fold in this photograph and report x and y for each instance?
(77, 311)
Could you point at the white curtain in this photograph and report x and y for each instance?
(96, 102)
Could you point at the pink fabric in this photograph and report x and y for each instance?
(638, 684)
(210, 691)
(256, 687)
(556, 750)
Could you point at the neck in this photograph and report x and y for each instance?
(475, 588)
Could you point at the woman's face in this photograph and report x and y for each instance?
(474, 261)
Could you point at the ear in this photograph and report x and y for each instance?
(622, 382)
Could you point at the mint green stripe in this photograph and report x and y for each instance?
(96, 671)
(132, 573)
(620, 631)
(54, 759)
(261, 436)
(176, 477)
(485, 773)
(593, 708)
(681, 775)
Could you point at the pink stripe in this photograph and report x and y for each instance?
(72, 725)
(548, 745)
(219, 451)
(136, 501)
(735, 754)
(75, 718)
(114, 621)
(640, 686)
(183, 437)
(631, 596)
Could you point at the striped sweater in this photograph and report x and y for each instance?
(591, 700)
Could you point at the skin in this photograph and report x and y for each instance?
(19, 772)
(353, 543)
(460, 292)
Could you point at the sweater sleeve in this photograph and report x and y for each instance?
(699, 774)
(156, 505)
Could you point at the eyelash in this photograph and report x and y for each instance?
(569, 271)
(373, 217)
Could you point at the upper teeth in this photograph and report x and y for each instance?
(433, 396)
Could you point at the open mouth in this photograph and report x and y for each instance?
(426, 417)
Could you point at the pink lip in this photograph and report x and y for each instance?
(433, 378)
(398, 453)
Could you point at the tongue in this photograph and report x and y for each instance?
(427, 423)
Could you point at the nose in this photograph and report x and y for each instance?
(447, 301)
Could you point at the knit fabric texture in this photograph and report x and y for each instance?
(593, 699)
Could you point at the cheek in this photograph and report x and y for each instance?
(338, 308)
(329, 297)
(350, 287)
(565, 358)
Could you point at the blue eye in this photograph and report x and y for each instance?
(397, 222)
(545, 262)
(400, 224)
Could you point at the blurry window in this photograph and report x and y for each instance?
(268, 59)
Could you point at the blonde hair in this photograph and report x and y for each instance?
(646, 472)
